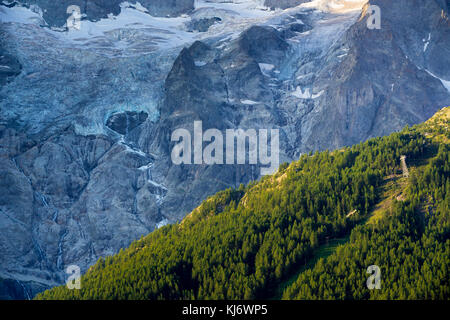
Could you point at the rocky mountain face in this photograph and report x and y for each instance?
(86, 116)
(391, 81)
(55, 12)
(283, 4)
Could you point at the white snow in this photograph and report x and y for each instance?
(138, 6)
(134, 31)
(162, 223)
(299, 93)
(129, 149)
(200, 63)
(315, 96)
(306, 94)
(266, 68)
(445, 83)
(146, 167)
(166, 32)
(335, 6)
(20, 15)
(302, 76)
(134, 25)
(136, 151)
(244, 8)
(426, 42)
(157, 184)
(249, 102)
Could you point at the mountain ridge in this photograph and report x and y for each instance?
(86, 115)
(239, 244)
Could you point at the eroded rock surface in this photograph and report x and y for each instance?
(85, 124)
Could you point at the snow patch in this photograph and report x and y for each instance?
(130, 149)
(155, 184)
(18, 14)
(266, 68)
(426, 42)
(162, 223)
(200, 63)
(134, 31)
(249, 102)
(335, 6)
(138, 6)
(244, 8)
(299, 93)
(146, 167)
(445, 83)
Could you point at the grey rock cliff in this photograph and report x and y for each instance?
(373, 81)
(283, 4)
(55, 12)
(85, 125)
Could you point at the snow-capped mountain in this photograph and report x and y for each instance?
(86, 113)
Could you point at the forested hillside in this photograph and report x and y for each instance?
(241, 244)
(410, 243)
